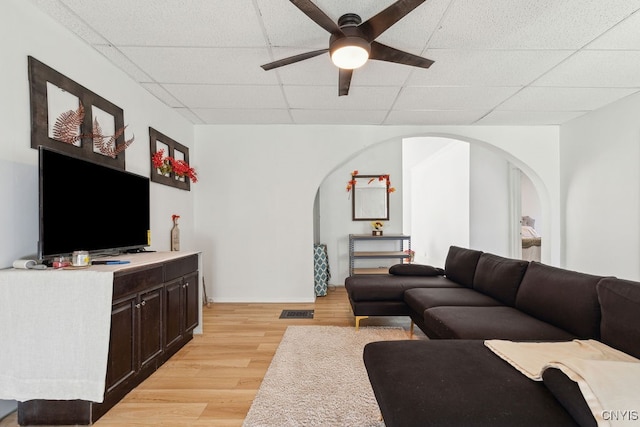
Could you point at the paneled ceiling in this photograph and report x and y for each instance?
(497, 62)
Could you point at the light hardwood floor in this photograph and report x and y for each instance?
(214, 378)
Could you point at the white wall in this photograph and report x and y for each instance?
(458, 195)
(600, 159)
(254, 204)
(439, 197)
(489, 202)
(335, 207)
(24, 31)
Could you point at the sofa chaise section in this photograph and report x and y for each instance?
(384, 294)
(459, 382)
(447, 383)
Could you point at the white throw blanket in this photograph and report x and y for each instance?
(54, 334)
(608, 378)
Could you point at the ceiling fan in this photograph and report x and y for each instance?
(352, 41)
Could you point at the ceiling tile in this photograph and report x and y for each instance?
(287, 26)
(528, 118)
(326, 97)
(338, 117)
(466, 67)
(244, 116)
(69, 20)
(563, 98)
(161, 93)
(202, 65)
(172, 23)
(596, 68)
(452, 97)
(229, 96)
(117, 57)
(203, 57)
(623, 36)
(190, 115)
(429, 117)
(526, 24)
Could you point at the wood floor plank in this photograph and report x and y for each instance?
(214, 378)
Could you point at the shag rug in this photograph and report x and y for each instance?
(317, 378)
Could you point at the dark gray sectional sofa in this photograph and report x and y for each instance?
(454, 379)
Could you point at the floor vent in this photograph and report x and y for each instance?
(296, 314)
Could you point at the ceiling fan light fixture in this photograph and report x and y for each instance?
(350, 52)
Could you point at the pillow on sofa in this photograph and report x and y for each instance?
(460, 265)
(566, 299)
(499, 277)
(620, 307)
(415, 270)
(567, 392)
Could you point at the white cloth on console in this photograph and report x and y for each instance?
(54, 334)
(608, 378)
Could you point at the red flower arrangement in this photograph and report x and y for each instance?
(352, 182)
(168, 164)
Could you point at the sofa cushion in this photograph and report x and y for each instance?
(460, 265)
(568, 394)
(388, 287)
(455, 383)
(499, 277)
(620, 305)
(482, 323)
(415, 270)
(420, 299)
(564, 298)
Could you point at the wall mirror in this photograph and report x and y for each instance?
(370, 198)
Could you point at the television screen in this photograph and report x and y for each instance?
(91, 207)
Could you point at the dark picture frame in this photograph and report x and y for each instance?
(370, 198)
(158, 141)
(42, 80)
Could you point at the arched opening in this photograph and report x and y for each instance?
(435, 172)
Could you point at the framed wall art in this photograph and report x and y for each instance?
(70, 118)
(170, 161)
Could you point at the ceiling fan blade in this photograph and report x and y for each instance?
(344, 81)
(318, 16)
(293, 59)
(381, 22)
(383, 52)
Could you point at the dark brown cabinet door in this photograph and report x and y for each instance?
(190, 302)
(153, 313)
(173, 312)
(123, 362)
(150, 306)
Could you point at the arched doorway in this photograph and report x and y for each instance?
(333, 203)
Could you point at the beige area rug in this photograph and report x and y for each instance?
(317, 378)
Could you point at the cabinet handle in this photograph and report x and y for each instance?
(144, 302)
(137, 305)
(187, 285)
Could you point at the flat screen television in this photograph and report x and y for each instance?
(91, 207)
